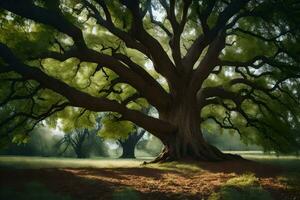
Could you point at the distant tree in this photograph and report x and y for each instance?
(83, 142)
(75, 140)
(126, 134)
(128, 144)
(201, 63)
(41, 143)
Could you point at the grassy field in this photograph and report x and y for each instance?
(34, 178)
(290, 163)
(51, 162)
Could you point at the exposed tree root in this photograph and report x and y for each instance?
(218, 156)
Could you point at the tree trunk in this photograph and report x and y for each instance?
(129, 144)
(79, 153)
(128, 149)
(187, 142)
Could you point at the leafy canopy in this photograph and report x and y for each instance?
(253, 90)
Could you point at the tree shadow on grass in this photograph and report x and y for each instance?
(30, 191)
(238, 167)
(118, 173)
(88, 184)
(171, 181)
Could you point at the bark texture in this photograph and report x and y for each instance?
(187, 142)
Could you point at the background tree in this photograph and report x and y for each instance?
(126, 135)
(83, 141)
(229, 63)
(75, 140)
(41, 143)
(129, 144)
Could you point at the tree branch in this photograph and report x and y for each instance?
(55, 19)
(81, 99)
(208, 63)
(204, 40)
(161, 60)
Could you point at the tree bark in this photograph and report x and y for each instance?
(187, 142)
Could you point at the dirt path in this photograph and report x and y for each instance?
(169, 182)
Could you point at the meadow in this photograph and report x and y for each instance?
(269, 177)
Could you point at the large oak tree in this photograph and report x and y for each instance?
(232, 63)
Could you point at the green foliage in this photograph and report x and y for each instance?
(72, 118)
(246, 48)
(40, 142)
(269, 117)
(115, 129)
(25, 37)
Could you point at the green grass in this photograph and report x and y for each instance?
(177, 166)
(245, 187)
(22, 162)
(290, 163)
(287, 162)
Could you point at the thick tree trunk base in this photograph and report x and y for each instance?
(187, 141)
(218, 156)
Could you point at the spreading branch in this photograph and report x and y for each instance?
(77, 98)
